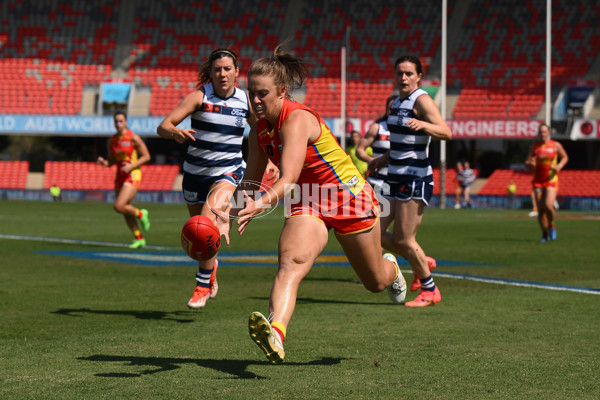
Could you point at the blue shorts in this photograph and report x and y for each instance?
(196, 187)
(380, 185)
(412, 188)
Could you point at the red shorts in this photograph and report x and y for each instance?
(551, 184)
(345, 215)
(134, 177)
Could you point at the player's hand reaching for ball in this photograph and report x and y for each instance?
(247, 213)
(223, 223)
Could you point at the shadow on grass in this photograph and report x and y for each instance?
(156, 315)
(236, 368)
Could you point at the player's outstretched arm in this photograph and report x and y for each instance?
(365, 142)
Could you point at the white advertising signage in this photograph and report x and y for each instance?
(493, 129)
(585, 129)
(73, 125)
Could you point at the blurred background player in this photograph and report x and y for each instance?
(361, 165)
(378, 139)
(413, 120)
(214, 164)
(296, 139)
(546, 158)
(129, 152)
(511, 189)
(534, 210)
(55, 192)
(465, 176)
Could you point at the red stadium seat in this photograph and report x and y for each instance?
(498, 48)
(158, 177)
(576, 183)
(91, 176)
(13, 174)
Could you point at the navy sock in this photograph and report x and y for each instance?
(428, 284)
(203, 277)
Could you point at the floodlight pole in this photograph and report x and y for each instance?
(343, 99)
(548, 60)
(443, 104)
(343, 88)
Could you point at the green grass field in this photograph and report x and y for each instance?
(90, 328)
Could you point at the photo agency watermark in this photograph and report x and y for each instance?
(329, 200)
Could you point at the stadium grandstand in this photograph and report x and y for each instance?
(66, 63)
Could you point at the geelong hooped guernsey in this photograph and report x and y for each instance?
(409, 155)
(219, 126)
(381, 145)
(466, 176)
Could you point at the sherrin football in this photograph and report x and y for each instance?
(200, 238)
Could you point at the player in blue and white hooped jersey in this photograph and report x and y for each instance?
(409, 168)
(378, 138)
(213, 165)
(216, 154)
(413, 120)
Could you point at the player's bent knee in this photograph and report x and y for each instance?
(291, 266)
(374, 286)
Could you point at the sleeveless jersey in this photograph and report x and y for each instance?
(465, 177)
(545, 156)
(381, 145)
(326, 163)
(219, 126)
(409, 155)
(123, 151)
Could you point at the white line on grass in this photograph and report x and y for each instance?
(75, 241)
(511, 282)
(450, 275)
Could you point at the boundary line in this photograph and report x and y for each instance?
(450, 275)
(77, 241)
(512, 282)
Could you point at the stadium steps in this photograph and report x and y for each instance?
(35, 180)
(140, 105)
(88, 101)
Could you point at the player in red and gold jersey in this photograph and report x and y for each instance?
(328, 179)
(322, 190)
(546, 158)
(128, 152)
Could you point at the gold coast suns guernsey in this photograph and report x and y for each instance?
(326, 163)
(124, 151)
(545, 157)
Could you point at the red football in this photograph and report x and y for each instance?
(200, 238)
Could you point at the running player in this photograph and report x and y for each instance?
(129, 152)
(543, 160)
(378, 137)
(213, 164)
(413, 120)
(328, 193)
